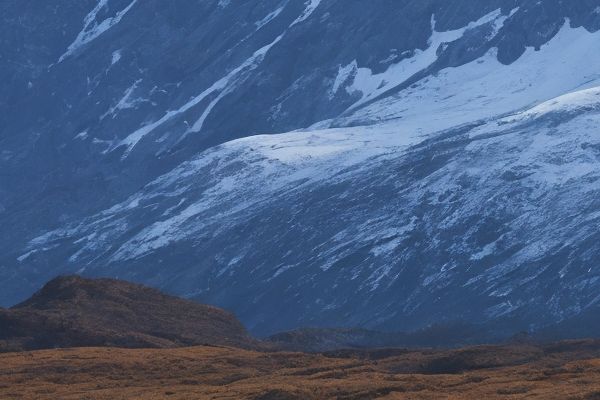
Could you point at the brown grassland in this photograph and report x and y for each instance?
(567, 370)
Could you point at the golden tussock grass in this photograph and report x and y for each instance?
(504, 372)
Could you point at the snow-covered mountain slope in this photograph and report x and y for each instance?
(491, 221)
(439, 163)
(124, 91)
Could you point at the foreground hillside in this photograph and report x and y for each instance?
(515, 372)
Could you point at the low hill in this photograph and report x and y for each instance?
(72, 311)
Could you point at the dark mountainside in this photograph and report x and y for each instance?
(73, 312)
(445, 172)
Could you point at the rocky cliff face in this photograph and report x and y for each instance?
(443, 166)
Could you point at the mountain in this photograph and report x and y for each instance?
(389, 165)
(75, 312)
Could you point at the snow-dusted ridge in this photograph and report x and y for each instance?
(506, 194)
(272, 163)
(575, 102)
(288, 161)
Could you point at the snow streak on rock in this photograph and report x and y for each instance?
(92, 28)
(222, 87)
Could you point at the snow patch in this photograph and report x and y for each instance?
(126, 102)
(92, 28)
(116, 56)
(486, 88)
(371, 85)
(81, 135)
(311, 6)
(270, 17)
